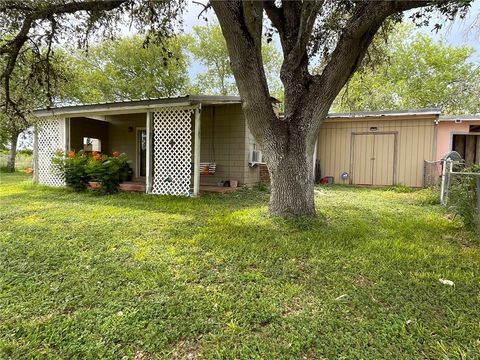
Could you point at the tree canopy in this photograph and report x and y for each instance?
(208, 46)
(416, 72)
(126, 68)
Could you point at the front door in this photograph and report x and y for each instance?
(373, 159)
(141, 152)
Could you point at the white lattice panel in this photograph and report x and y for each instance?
(172, 151)
(50, 138)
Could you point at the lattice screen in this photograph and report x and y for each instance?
(172, 150)
(50, 138)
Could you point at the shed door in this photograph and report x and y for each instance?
(373, 159)
(363, 159)
(383, 153)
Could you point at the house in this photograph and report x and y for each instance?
(174, 144)
(460, 134)
(378, 148)
(178, 145)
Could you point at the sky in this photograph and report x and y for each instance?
(459, 32)
(462, 32)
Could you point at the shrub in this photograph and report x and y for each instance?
(463, 198)
(108, 171)
(25, 152)
(73, 168)
(81, 168)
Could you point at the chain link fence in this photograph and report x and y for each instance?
(460, 191)
(23, 161)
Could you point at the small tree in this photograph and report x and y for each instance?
(128, 68)
(208, 46)
(27, 93)
(417, 72)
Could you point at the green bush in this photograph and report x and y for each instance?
(25, 152)
(400, 188)
(463, 198)
(73, 168)
(81, 168)
(108, 171)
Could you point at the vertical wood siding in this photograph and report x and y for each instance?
(414, 144)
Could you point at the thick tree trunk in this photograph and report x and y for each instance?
(288, 142)
(12, 153)
(291, 179)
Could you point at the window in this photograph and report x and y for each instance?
(92, 144)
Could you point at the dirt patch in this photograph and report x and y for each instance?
(362, 281)
(185, 349)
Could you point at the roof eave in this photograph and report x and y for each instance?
(136, 106)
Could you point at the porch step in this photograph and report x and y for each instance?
(132, 186)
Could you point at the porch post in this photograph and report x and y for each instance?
(314, 159)
(67, 135)
(35, 153)
(196, 153)
(149, 168)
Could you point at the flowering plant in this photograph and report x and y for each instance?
(80, 168)
(72, 166)
(108, 171)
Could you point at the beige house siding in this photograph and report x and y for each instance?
(121, 139)
(408, 141)
(224, 141)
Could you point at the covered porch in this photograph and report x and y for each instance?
(168, 142)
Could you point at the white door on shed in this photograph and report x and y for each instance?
(373, 159)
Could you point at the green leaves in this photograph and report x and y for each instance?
(209, 48)
(417, 72)
(81, 168)
(125, 69)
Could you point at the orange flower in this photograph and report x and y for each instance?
(115, 154)
(71, 154)
(96, 156)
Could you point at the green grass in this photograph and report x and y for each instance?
(131, 276)
(22, 161)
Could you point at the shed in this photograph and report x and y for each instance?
(377, 148)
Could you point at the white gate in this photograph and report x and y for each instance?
(49, 138)
(172, 150)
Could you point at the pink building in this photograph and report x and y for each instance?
(461, 134)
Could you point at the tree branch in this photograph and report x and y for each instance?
(354, 42)
(11, 49)
(243, 38)
(308, 16)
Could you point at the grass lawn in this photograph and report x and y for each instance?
(131, 276)
(22, 161)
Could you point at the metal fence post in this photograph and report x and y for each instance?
(442, 184)
(478, 195)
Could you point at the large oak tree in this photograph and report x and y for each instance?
(341, 31)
